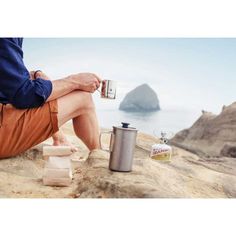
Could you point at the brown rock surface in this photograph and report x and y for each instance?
(187, 175)
(211, 135)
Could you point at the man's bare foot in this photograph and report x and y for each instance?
(59, 139)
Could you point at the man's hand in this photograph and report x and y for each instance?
(39, 74)
(86, 82)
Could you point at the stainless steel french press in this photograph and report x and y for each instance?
(122, 146)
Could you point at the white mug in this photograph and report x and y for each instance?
(108, 89)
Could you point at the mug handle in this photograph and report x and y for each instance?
(111, 141)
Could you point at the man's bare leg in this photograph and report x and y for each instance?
(86, 128)
(79, 106)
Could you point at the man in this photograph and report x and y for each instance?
(33, 108)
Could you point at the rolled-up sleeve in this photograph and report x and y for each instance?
(33, 93)
(16, 87)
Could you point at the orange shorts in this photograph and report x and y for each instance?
(23, 129)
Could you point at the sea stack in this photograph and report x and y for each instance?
(141, 99)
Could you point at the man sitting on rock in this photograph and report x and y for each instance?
(33, 108)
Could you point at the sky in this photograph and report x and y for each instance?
(185, 73)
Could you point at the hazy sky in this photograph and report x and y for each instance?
(188, 73)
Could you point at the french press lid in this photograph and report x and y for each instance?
(125, 126)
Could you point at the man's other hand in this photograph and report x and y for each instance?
(38, 74)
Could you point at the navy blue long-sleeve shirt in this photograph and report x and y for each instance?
(16, 87)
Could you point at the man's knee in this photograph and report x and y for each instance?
(88, 103)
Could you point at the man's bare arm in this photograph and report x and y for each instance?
(84, 81)
(61, 87)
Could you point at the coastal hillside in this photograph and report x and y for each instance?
(211, 135)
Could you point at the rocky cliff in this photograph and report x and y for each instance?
(141, 99)
(212, 135)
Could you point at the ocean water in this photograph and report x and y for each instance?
(167, 120)
(170, 119)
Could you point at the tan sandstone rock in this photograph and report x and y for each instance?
(187, 175)
(211, 135)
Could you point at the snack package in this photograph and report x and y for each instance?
(161, 152)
